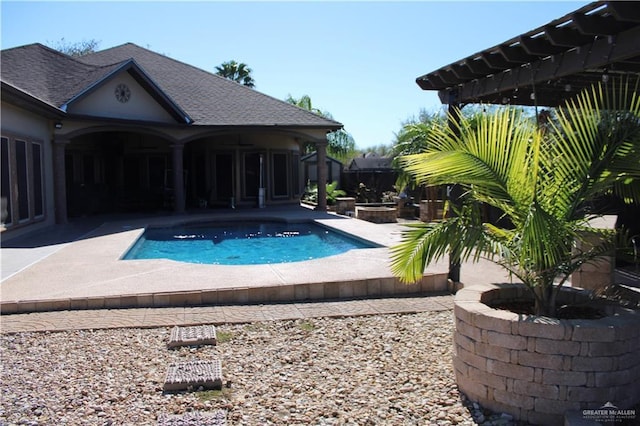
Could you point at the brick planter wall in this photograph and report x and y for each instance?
(538, 368)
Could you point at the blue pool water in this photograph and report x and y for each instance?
(242, 243)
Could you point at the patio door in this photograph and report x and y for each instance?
(223, 179)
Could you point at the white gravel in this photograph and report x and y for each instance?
(375, 370)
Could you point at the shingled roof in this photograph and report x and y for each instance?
(207, 99)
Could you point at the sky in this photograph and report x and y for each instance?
(357, 60)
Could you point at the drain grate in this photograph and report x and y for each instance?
(195, 418)
(192, 375)
(192, 336)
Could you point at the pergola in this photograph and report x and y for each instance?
(599, 42)
(549, 64)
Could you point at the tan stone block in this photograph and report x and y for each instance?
(301, 292)
(95, 303)
(161, 300)
(523, 402)
(513, 371)
(557, 347)
(9, 307)
(468, 330)
(472, 359)
(595, 364)
(316, 291)
(345, 290)
(209, 297)
(609, 348)
(465, 342)
(498, 383)
(185, 299)
(427, 283)
(65, 304)
(473, 390)
(144, 300)
(360, 288)
(258, 295)
(592, 331)
(440, 282)
(506, 340)
(280, 293)
(464, 311)
(128, 301)
(493, 352)
(523, 387)
(628, 360)
(534, 359)
(568, 378)
(547, 328)
(332, 290)
(112, 302)
(27, 306)
(495, 320)
(617, 378)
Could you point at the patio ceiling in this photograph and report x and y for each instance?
(549, 64)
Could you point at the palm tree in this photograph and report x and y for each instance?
(542, 181)
(339, 143)
(238, 72)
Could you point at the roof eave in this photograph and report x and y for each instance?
(22, 99)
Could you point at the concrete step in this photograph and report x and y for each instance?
(192, 336)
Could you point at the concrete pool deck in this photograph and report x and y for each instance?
(55, 270)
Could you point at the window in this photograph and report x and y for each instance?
(251, 174)
(280, 172)
(295, 172)
(6, 183)
(38, 195)
(22, 180)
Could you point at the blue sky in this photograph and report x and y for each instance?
(357, 60)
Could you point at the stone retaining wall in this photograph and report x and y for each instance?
(348, 289)
(377, 214)
(538, 368)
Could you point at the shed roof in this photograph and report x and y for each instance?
(549, 64)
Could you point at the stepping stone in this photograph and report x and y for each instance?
(191, 375)
(194, 418)
(192, 336)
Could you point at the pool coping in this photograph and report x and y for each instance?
(75, 276)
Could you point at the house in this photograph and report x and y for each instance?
(128, 129)
(310, 169)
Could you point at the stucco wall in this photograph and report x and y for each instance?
(102, 102)
(22, 124)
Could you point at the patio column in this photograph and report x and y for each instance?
(178, 177)
(321, 151)
(59, 180)
(454, 192)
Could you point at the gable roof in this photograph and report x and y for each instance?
(47, 74)
(372, 163)
(311, 157)
(205, 98)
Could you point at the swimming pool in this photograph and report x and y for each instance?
(246, 243)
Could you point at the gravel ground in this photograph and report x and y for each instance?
(375, 370)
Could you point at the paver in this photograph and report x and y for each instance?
(194, 418)
(191, 375)
(192, 336)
